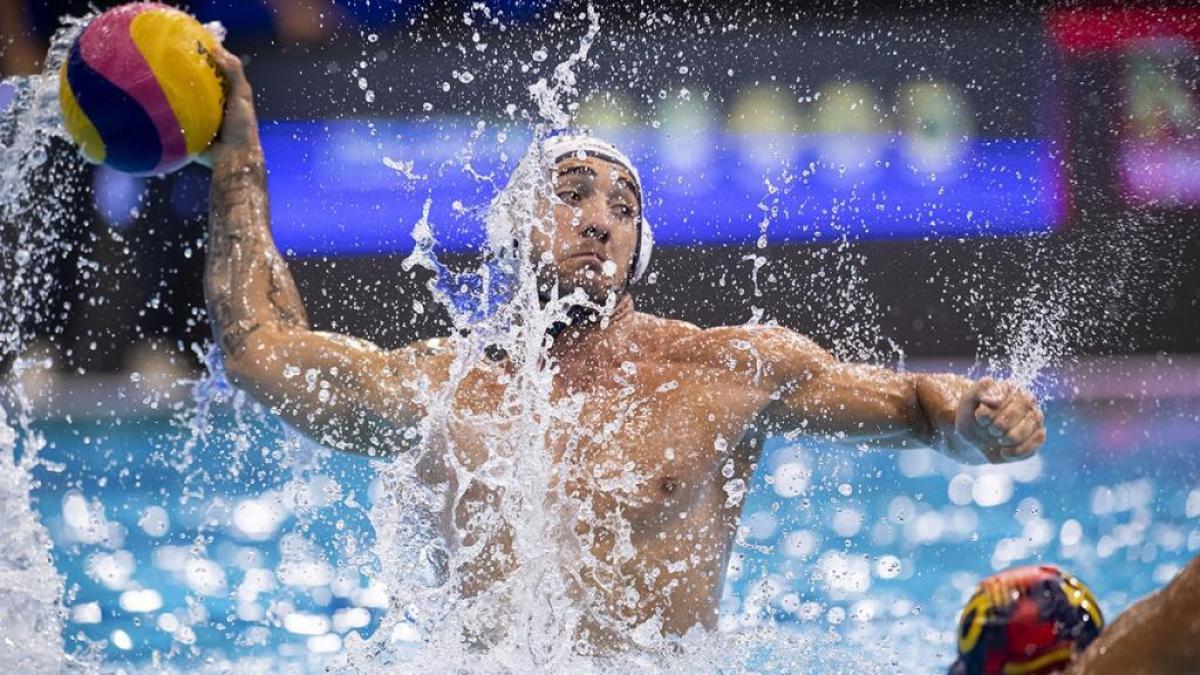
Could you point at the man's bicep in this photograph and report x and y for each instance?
(341, 391)
(846, 401)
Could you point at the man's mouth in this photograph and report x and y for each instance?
(590, 255)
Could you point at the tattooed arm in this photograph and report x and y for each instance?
(344, 392)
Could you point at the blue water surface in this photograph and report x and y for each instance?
(844, 539)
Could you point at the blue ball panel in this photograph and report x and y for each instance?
(131, 142)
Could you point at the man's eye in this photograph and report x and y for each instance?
(625, 211)
(570, 196)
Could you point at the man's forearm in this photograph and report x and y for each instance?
(247, 284)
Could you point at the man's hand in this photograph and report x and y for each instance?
(239, 128)
(1002, 419)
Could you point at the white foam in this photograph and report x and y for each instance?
(155, 521)
(86, 612)
(258, 519)
(301, 623)
(992, 489)
(349, 618)
(141, 601)
(204, 576)
(121, 640)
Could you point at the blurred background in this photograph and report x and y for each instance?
(923, 184)
(958, 150)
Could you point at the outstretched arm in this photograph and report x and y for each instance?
(1158, 634)
(972, 421)
(343, 392)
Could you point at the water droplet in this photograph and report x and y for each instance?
(735, 490)
(37, 156)
(727, 469)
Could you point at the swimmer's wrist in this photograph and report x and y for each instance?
(939, 397)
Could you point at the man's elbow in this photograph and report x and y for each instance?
(246, 361)
(236, 373)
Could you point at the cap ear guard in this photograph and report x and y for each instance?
(641, 256)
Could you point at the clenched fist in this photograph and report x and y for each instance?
(1002, 419)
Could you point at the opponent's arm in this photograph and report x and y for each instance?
(343, 392)
(1158, 634)
(988, 420)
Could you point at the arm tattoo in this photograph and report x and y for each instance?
(284, 296)
(247, 283)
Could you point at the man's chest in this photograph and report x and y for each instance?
(644, 439)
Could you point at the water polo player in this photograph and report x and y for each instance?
(1039, 619)
(669, 419)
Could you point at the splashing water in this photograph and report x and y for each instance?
(444, 616)
(548, 96)
(500, 500)
(527, 622)
(1098, 286)
(31, 614)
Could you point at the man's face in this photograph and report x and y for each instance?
(594, 230)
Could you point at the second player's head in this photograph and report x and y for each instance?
(1029, 620)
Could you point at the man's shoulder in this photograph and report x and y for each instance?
(432, 354)
(435, 346)
(686, 341)
(663, 329)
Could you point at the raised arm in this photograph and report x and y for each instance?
(344, 392)
(983, 421)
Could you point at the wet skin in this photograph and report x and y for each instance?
(669, 414)
(1157, 634)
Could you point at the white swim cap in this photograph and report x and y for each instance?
(522, 185)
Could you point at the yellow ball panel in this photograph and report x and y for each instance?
(179, 52)
(77, 124)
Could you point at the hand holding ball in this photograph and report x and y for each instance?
(141, 91)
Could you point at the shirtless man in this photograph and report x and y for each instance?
(694, 407)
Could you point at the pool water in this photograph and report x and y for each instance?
(217, 537)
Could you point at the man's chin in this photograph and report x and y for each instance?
(596, 291)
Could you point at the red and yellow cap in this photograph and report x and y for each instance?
(1026, 621)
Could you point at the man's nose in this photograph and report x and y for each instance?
(594, 223)
(596, 231)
